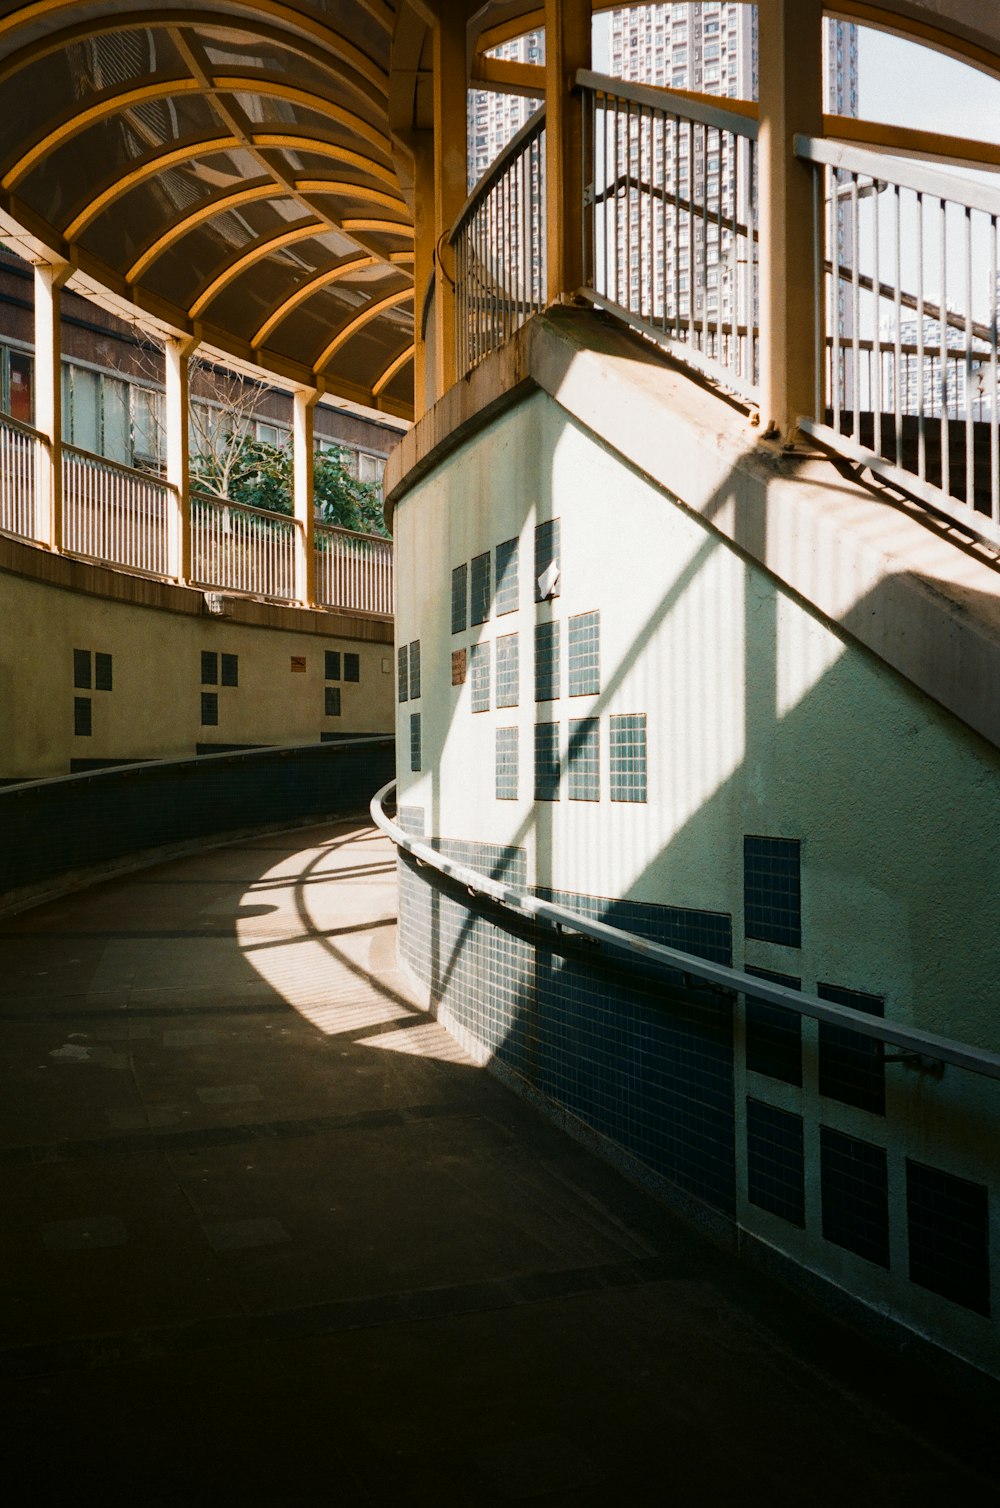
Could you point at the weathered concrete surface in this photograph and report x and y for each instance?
(269, 1237)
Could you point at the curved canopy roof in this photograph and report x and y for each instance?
(225, 168)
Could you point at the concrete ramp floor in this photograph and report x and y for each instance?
(269, 1237)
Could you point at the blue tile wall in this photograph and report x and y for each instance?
(583, 759)
(546, 662)
(774, 1033)
(414, 741)
(851, 1066)
(855, 1191)
(546, 761)
(506, 764)
(411, 820)
(479, 676)
(459, 598)
(403, 672)
(776, 1179)
(948, 1235)
(546, 553)
(772, 909)
(508, 670)
(584, 654)
(628, 757)
(414, 670)
(506, 577)
(479, 610)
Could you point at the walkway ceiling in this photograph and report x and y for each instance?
(225, 169)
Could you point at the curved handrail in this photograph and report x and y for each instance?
(532, 127)
(722, 976)
(737, 116)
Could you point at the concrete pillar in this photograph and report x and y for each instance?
(791, 100)
(49, 280)
(176, 353)
(450, 176)
(567, 48)
(303, 490)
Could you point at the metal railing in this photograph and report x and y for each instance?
(242, 549)
(114, 513)
(906, 264)
(353, 570)
(499, 243)
(21, 449)
(670, 242)
(570, 924)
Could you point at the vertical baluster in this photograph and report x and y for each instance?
(921, 431)
(994, 392)
(877, 323)
(897, 330)
(855, 311)
(943, 345)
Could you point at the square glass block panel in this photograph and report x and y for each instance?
(508, 670)
(459, 598)
(230, 670)
(948, 1223)
(414, 670)
(209, 668)
(546, 761)
(774, 1033)
(584, 650)
(209, 709)
(775, 1162)
(352, 667)
(479, 675)
(546, 662)
(855, 1191)
(479, 605)
(81, 669)
(332, 701)
(403, 661)
(628, 757)
(771, 897)
(507, 747)
(414, 740)
(103, 672)
(331, 665)
(82, 724)
(851, 1067)
(546, 555)
(506, 577)
(583, 759)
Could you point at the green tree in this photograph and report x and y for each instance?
(260, 475)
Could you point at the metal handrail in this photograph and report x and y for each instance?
(532, 127)
(149, 477)
(910, 1039)
(227, 502)
(18, 425)
(719, 117)
(904, 173)
(322, 527)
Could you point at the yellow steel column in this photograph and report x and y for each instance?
(303, 478)
(567, 48)
(176, 353)
(450, 174)
(49, 280)
(424, 373)
(791, 100)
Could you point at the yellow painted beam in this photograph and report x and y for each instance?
(344, 190)
(361, 319)
(218, 204)
(257, 82)
(507, 77)
(147, 168)
(306, 291)
(259, 250)
(905, 142)
(386, 227)
(302, 141)
(391, 370)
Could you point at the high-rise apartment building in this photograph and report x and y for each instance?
(493, 118)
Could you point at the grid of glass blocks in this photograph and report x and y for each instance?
(81, 668)
(948, 1222)
(774, 1033)
(83, 720)
(584, 652)
(851, 1067)
(230, 670)
(546, 662)
(209, 709)
(331, 665)
(775, 1162)
(507, 748)
(414, 740)
(546, 554)
(508, 670)
(459, 598)
(855, 1192)
(103, 672)
(479, 675)
(352, 667)
(403, 657)
(546, 761)
(332, 704)
(480, 604)
(772, 907)
(414, 670)
(209, 667)
(583, 759)
(506, 577)
(628, 757)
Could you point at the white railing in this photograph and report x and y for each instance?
(670, 213)
(21, 452)
(499, 242)
(242, 549)
(113, 513)
(906, 266)
(353, 570)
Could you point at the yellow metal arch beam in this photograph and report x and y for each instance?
(358, 322)
(149, 167)
(259, 82)
(395, 366)
(385, 227)
(259, 250)
(218, 204)
(345, 190)
(306, 290)
(302, 141)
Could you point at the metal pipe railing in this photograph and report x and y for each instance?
(114, 513)
(241, 548)
(353, 570)
(22, 450)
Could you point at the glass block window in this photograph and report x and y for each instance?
(855, 1191)
(851, 1067)
(507, 747)
(508, 671)
(584, 650)
(414, 670)
(546, 555)
(479, 675)
(775, 1162)
(403, 672)
(506, 577)
(209, 709)
(102, 672)
(546, 761)
(479, 608)
(332, 701)
(628, 757)
(81, 669)
(546, 662)
(230, 670)
(352, 667)
(583, 759)
(82, 723)
(771, 894)
(209, 668)
(774, 1033)
(331, 665)
(414, 740)
(459, 598)
(948, 1223)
